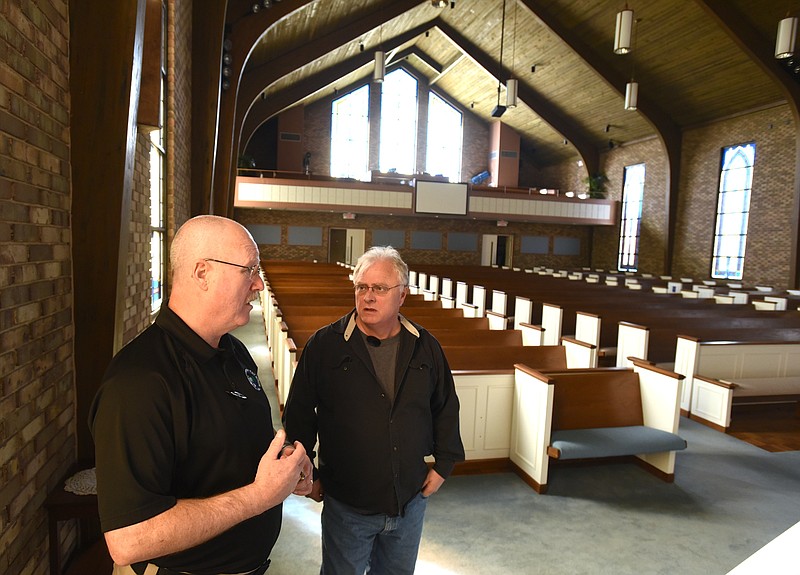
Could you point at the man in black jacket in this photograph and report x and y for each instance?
(376, 391)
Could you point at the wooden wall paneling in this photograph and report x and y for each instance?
(150, 94)
(106, 43)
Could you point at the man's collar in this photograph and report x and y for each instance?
(351, 326)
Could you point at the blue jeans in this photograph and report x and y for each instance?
(353, 543)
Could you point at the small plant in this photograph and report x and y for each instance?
(597, 185)
(246, 161)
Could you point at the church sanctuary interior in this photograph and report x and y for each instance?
(585, 191)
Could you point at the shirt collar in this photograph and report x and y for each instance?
(188, 339)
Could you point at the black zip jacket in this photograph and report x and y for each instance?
(372, 452)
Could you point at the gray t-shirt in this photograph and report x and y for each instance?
(384, 360)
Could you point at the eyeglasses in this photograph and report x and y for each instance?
(379, 290)
(251, 270)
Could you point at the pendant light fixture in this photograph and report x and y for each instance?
(380, 66)
(498, 109)
(513, 84)
(631, 95)
(511, 93)
(632, 87)
(623, 33)
(787, 35)
(379, 73)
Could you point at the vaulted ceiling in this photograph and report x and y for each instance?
(696, 61)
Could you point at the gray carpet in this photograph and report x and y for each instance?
(728, 500)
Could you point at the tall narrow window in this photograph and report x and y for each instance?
(445, 130)
(631, 224)
(398, 123)
(350, 135)
(158, 186)
(733, 211)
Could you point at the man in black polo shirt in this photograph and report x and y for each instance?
(190, 474)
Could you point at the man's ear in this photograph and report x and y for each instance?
(200, 274)
(403, 295)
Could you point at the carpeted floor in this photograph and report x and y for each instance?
(729, 499)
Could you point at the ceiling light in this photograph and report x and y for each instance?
(631, 95)
(511, 93)
(439, 3)
(380, 66)
(623, 32)
(787, 34)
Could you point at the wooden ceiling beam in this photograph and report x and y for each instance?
(447, 69)
(543, 107)
(257, 79)
(422, 56)
(244, 28)
(264, 108)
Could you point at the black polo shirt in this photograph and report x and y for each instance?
(178, 419)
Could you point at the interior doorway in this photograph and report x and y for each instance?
(497, 250)
(345, 245)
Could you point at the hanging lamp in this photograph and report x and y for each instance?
(624, 31)
(787, 35)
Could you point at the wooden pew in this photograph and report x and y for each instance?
(765, 371)
(503, 357)
(661, 313)
(595, 413)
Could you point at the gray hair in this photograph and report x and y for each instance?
(380, 253)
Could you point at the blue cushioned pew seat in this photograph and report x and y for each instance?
(612, 442)
(595, 413)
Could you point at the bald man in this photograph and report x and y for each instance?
(191, 475)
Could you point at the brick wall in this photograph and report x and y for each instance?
(769, 236)
(327, 221)
(179, 133)
(769, 239)
(136, 308)
(654, 207)
(37, 426)
(37, 402)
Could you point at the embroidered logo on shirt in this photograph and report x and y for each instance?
(253, 379)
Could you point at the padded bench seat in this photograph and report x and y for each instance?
(612, 442)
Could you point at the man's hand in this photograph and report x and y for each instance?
(277, 477)
(432, 483)
(316, 491)
(306, 476)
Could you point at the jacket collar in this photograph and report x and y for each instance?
(351, 325)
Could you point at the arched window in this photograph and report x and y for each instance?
(398, 149)
(630, 228)
(733, 211)
(445, 135)
(350, 135)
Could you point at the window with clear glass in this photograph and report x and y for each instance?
(733, 211)
(631, 224)
(158, 187)
(445, 134)
(350, 135)
(398, 149)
